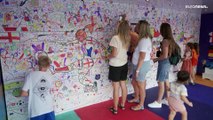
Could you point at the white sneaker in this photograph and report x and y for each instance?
(165, 102)
(155, 104)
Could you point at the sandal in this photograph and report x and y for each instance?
(133, 101)
(121, 107)
(115, 112)
(136, 108)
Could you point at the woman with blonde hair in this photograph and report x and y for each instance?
(141, 64)
(118, 67)
(169, 46)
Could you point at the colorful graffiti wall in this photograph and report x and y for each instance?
(75, 35)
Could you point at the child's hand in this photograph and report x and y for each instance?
(190, 104)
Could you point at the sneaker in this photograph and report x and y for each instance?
(155, 104)
(165, 102)
(192, 83)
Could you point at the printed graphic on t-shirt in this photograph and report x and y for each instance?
(41, 89)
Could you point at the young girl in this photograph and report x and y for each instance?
(187, 62)
(177, 96)
(195, 54)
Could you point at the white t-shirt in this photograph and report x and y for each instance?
(178, 89)
(144, 45)
(121, 58)
(38, 84)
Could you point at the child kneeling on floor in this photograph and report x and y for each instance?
(37, 86)
(177, 95)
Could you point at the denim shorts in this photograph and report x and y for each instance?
(163, 70)
(143, 71)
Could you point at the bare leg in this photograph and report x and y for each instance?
(142, 92)
(172, 114)
(124, 92)
(142, 95)
(160, 91)
(136, 89)
(184, 115)
(167, 86)
(115, 94)
(193, 75)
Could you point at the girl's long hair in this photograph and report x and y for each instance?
(190, 45)
(123, 32)
(196, 47)
(166, 32)
(144, 30)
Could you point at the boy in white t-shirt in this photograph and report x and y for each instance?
(178, 96)
(37, 86)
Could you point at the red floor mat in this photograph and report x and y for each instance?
(101, 111)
